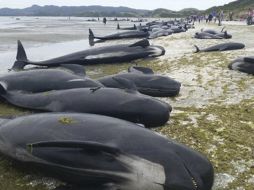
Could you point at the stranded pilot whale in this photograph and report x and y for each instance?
(41, 80)
(102, 55)
(222, 33)
(204, 35)
(97, 152)
(126, 104)
(120, 35)
(244, 64)
(146, 82)
(222, 47)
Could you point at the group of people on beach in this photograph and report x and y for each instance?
(216, 16)
(219, 16)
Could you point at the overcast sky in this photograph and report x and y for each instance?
(139, 4)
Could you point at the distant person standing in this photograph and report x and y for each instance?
(214, 14)
(206, 18)
(250, 17)
(104, 20)
(210, 18)
(220, 17)
(231, 16)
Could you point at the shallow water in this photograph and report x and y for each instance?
(213, 113)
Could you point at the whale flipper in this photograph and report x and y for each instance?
(74, 68)
(142, 43)
(125, 83)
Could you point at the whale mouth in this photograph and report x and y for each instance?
(156, 51)
(160, 92)
(194, 181)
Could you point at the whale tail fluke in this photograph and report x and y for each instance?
(197, 49)
(21, 58)
(91, 37)
(225, 34)
(21, 54)
(118, 26)
(223, 29)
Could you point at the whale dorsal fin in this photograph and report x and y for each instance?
(86, 145)
(143, 43)
(197, 49)
(136, 69)
(125, 83)
(74, 68)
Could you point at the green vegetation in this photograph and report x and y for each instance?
(239, 8)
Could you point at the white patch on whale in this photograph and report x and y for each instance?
(235, 66)
(156, 51)
(144, 173)
(107, 55)
(76, 80)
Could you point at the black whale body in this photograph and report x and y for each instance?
(222, 34)
(116, 36)
(125, 104)
(41, 80)
(222, 47)
(146, 83)
(101, 55)
(204, 35)
(88, 151)
(244, 64)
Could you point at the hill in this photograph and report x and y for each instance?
(88, 11)
(238, 7)
(94, 11)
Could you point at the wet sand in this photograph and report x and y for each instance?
(214, 113)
